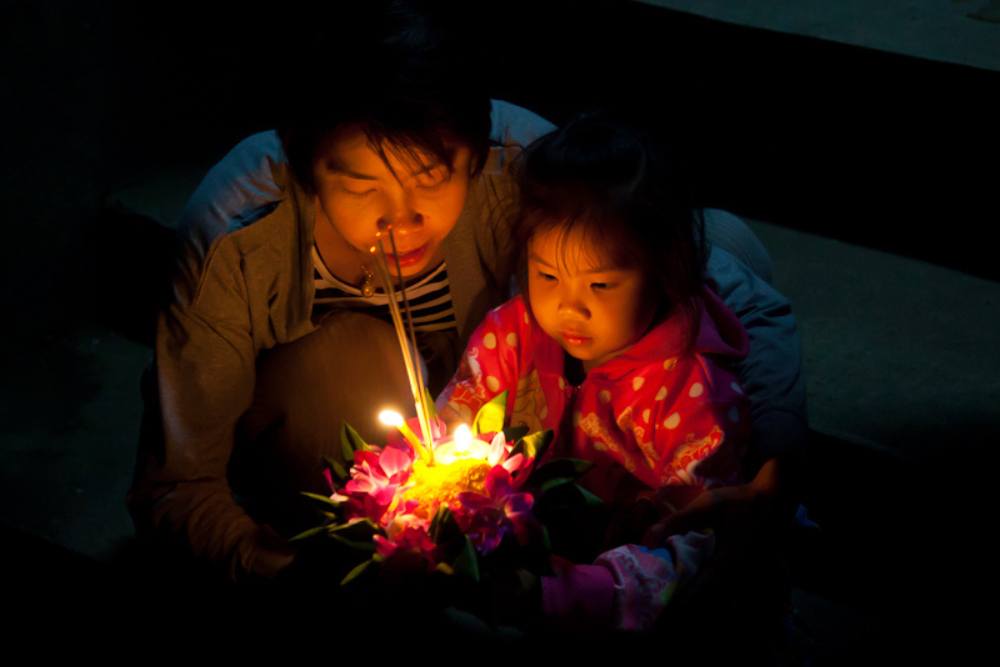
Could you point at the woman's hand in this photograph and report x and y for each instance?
(762, 505)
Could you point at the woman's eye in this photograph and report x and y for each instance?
(359, 193)
(433, 178)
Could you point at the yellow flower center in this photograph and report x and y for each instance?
(438, 485)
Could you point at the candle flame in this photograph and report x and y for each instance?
(462, 437)
(390, 418)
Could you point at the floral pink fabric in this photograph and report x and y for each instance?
(652, 414)
(649, 418)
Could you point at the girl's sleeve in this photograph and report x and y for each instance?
(700, 430)
(489, 366)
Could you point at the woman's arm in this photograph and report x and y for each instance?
(771, 374)
(204, 380)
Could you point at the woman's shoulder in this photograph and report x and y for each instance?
(242, 187)
(513, 125)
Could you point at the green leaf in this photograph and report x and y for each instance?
(467, 562)
(339, 471)
(572, 468)
(308, 533)
(323, 499)
(447, 535)
(534, 445)
(515, 433)
(556, 482)
(356, 572)
(353, 544)
(352, 523)
(490, 417)
(350, 442)
(429, 402)
(589, 498)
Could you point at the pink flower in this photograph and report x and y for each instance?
(408, 533)
(487, 518)
(375, 478)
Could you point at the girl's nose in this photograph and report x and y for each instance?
(571, 306)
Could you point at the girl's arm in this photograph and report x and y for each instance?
(488, 367)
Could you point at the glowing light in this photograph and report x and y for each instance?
(463, 438)
(391, 418)
(395, 420)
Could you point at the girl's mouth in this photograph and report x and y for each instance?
(575, 339)
(408, 258)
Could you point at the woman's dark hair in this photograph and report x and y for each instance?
(401, 71)
(608, 180)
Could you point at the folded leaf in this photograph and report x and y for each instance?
(307, 533)
(323, 499)
(572, 468)
(429, 402)
(490, 417)
(350, 442)
(356, 572)
(534, 445)
(467, 562)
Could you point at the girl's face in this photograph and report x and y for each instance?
(594, 309)
(359, 193)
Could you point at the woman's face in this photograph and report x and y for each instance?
(359, 194)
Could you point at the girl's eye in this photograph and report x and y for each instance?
(547, 277)
(600, 286)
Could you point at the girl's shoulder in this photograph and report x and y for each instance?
(510, 316)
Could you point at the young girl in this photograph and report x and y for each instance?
(619, 347)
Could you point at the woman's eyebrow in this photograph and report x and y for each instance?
(426, 168)
(338, 168)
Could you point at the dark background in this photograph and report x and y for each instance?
(877, 149)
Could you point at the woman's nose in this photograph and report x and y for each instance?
(400, 212)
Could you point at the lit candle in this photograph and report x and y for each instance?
(393, 418)
(462, 446)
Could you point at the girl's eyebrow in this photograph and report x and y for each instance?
(599, 269)
(602, 269)
(535, 258)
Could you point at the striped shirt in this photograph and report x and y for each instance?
(429, 296)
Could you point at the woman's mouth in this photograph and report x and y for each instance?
(409, 257)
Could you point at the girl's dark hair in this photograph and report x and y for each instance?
(402, 71)
(608, 180)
